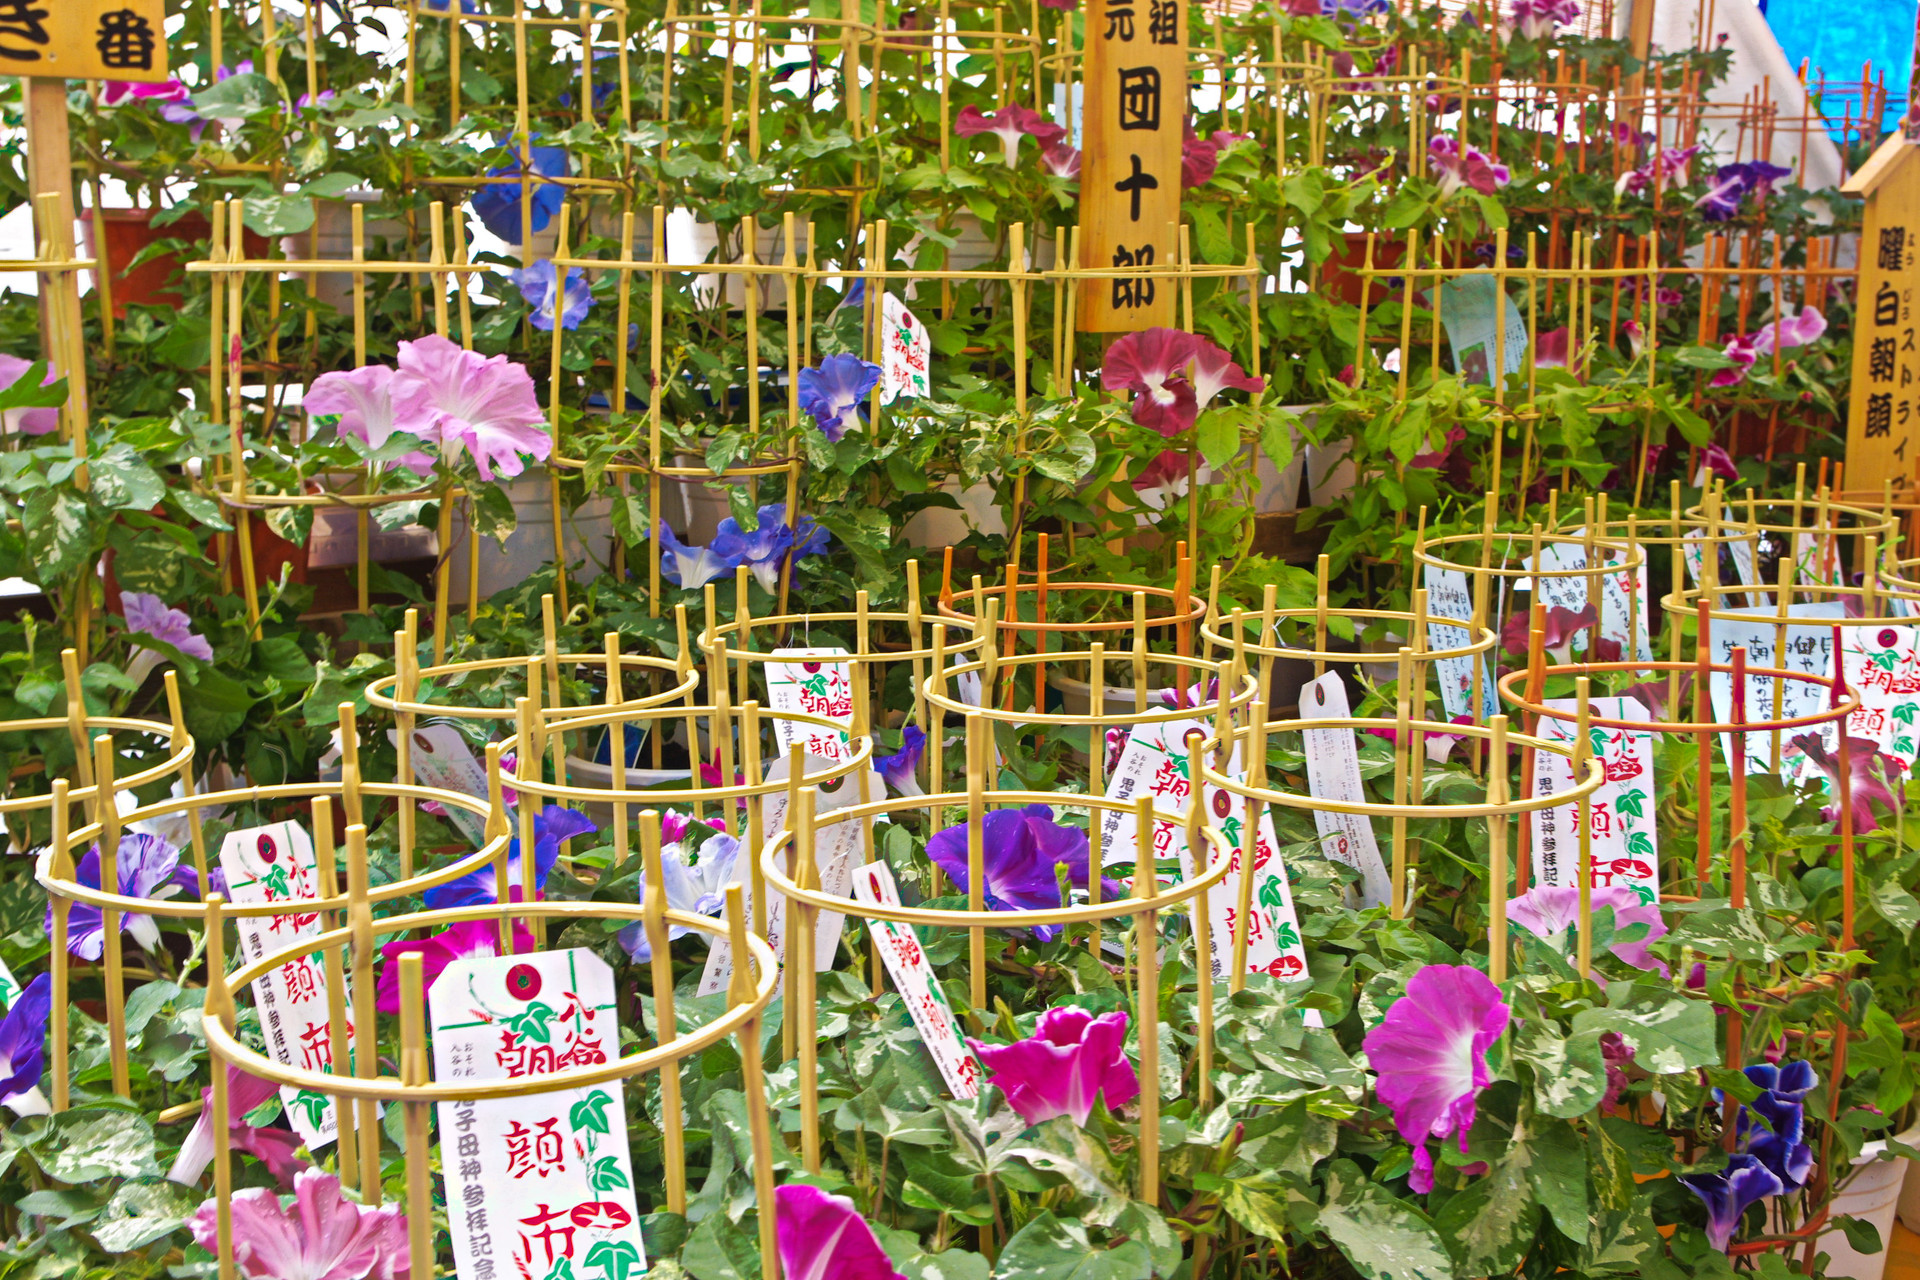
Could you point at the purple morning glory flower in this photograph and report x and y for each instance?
(1019, 849)
(551, 826)
(836, 392)
(1070, 1057)
(276, 1148)
(696, 882)
(182, 111)
(899, 768)
(497, 204)
(1537, 19)
(1729, 1193)
(147, 867)
(1780, 1146)
(823, 1237)
(1430, 1056)
(322, 1236)
(1722, 201)
(536, 289)
(689, 567)
(763, 549)
(1866, 788)
(456, 942)
(23, 1039)
(1550, 911)
(1457, 165)
(148, 615)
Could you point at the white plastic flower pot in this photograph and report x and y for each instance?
(1909, 1208)
(331, 240)
(944, 526)
(586, 539)
(587, 773)
(1873, 1195)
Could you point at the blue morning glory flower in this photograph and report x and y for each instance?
(23, 1038)
(689, 567)
(536, 288)
(497, 204)
(552, 825)
(899, 769)
(836, 392)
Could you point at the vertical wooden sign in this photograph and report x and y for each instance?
(1135, 72)
(1883, 420)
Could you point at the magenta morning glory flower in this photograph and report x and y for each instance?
(1864, 787)
(1550, 911)
(1152, 363)
(27, 422)
(1199, 157)
(1430, 1056)
(1019, 849)
(551, 826)
(1061, 160)
(1537, 19)
(823, 1237)
(180, 111)
(147, 867)
(1213, 371)
(1009, 124)
(147, 615)
(116, 92)
(535, 284)
(456, 942)
(1563, 624)
(1730, 1193)
(362, 401)
(1056, 1071)
(899, 768)
(1797, 330)
(466, 401)
(326, 1237)
(277, 1148)
(1459, 166)
(689, 567)
(696, 882)
(836, 392)
(23, 1045)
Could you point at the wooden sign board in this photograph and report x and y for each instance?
(1135, 70)
(84, 39)
(1883, 420)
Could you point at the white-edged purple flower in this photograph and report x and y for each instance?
(23, 1048)
(1429, 1055)
(361, 402)
(552, 826)
(836, 392)
(823, 1237)
(535, 284)
(26, 422)
(1797, 330)
(1009, 124)
(1539, 19)
(147, 867)
(325, 1237)
(1019, 851)
(1459, 166)
(1070, 1058)
(1551, 912)
(696, 882)
(466, 401)
(1729, 1193)
(1722, 200)
(900, 769)
(689, 567)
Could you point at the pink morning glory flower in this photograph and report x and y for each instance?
(823, 1237)
(836, 393)
(147, 867)
(362, 400)
(27, 422)
(1538, 19)
(1009, 124)
(1213, 371)
(1430, 1056)
(1019, 851)
(116, 92)
(1057, 1071)
(456, 942)
(1797, 330)
(325, 1237)
(1199, 157)
(483, 405)
(1863, 787)
(148, 615)
(277, 1148)
(1550, 911)
(900, 768)
(1459, 166)
(1061, 160)
(535, 284)
(1439, 745)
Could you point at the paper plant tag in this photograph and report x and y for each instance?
(1449, 597)
(1333, 773)
(442, 759)
(1883, 668)
(906, 350)
(1467, 305)
(275, 864)
(914, 978)
(9, 987)
(1624, 843)
(840, 848)
(1809, 651)
(1153, 763)
(1623, 594)
(1694, 556)
(539, 1187)
(819, 688)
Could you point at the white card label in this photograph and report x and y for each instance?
(442, 759)
(1883, 669)
(906, 352)
(818, 687)
(914, 978)
(1448, 597)
(1333, 773)
(275, 863)
(1808, 652)
(538, 1187)
(1623, 842)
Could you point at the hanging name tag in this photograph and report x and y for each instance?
(442, 759)
(906, 352)
(1809, 651)
(1448, 597)
(919, 990)
(818, 687)
(1623, 841)
(1153, 763)
(1333, 773)
(839, 848)
(275, 864)
(1883, 668)
(538, 1186)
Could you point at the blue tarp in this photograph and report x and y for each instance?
(1838, 38)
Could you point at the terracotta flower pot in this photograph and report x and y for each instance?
(128, 232)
